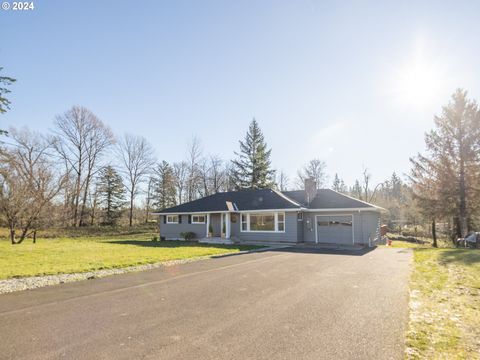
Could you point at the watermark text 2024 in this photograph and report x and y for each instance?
(18, 5)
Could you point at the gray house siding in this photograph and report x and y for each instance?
(300, 230)
(289, 236)
(370, 227)
(173, 231)
(308, 227)
(366, 226)
(235, 226)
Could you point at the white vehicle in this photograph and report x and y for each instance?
(470, 241)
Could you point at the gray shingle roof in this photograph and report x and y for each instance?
(265, 199)
(262, 199)
(328, 199)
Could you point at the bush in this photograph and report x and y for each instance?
(162, 238)
(188, 235)
(155, 238)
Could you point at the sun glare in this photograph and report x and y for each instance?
(418, 80)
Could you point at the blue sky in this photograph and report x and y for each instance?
(354, 84)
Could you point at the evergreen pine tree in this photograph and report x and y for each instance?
(356, 190)
(396, 187)
(251, 169)
(339, 185)
(4, 102)
(164, 189)
(448, 173)
(112, 195)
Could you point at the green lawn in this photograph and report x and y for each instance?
(444, 305)
(67, 255)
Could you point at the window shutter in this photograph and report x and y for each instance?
(189, 219)
(179, 219)
(164, 219)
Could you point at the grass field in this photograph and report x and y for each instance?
(444, 304)
(81, 254)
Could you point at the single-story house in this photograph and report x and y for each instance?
(269, 216)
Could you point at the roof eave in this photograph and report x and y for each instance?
(225, 211)
(372, 208)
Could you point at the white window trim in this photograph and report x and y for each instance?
(199, 222)
(171, 222)
(276, 222)
(275, 214)
(245, 216)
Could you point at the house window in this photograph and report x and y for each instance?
(300, 216)
(244, 222)
(334, 223)
(280, 221)
(260, 222)
(198, 219)
(172, 219)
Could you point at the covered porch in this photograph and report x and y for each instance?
(218, 228)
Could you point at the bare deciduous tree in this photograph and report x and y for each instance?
(362, 191)
(137, 158)
(217, 173)
(194, 157)
(212, 175)
(148, 199)
(180, 174)
(82, 139)
(282, 181)
(314, 169)
(28, 182)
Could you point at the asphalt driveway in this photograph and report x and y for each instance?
(288, 304)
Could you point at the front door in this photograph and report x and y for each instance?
(215, 221)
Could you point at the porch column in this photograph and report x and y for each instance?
(208, 224)
(227, 225)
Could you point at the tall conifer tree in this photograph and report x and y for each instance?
(164, 188)
(112, 195)
(252, 168)
(448, 173)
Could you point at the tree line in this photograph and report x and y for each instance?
(82, 174)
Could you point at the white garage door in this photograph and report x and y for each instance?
(335, 229)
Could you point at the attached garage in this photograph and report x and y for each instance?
(334, 229)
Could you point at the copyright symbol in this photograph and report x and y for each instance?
(5, 5)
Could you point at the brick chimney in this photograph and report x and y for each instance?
(310, 190)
